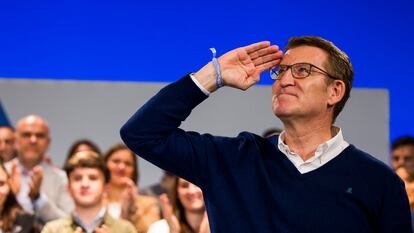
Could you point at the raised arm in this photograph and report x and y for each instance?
(153, 133)
(241, 68)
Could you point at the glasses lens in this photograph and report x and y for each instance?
(301, 70)
(273, 74)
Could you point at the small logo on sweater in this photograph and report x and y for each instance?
(349, 190)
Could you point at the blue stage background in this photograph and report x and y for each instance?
(159, 41)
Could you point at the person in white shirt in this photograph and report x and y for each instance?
(41, 188)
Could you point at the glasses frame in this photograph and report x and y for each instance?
(275, 76)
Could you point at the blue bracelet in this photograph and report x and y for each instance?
(219, 81)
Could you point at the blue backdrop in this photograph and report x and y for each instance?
(162, 40)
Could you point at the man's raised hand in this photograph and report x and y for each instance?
(241, 68)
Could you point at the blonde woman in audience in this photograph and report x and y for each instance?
(12, 217)
(123, 200)
(185, 213)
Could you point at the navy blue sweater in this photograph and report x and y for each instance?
(250, 186)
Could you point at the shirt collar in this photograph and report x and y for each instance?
(96, 222)
(26, 172)
(322, 151)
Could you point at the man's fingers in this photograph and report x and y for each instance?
(256, 46)
(13, 169)
(38, 172)
(264, 51)
(31, 185)
(270, 57)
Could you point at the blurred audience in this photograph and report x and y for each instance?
(185, 213)
(82, 145)
(402, 152)
(402, 161)
(88, 175)
(123, 199)
(40, 187)
(12, 217)
(7, 144)
(166, 185)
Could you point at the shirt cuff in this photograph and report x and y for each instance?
(207, 93)
(40, 202)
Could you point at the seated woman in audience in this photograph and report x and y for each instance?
(82, 145)
(123, 200)
(185, 213)
(12, 217)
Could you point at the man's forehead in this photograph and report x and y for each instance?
(6, 132)
(32, 124)
(309, 54)
(86, 171)
(407, 150)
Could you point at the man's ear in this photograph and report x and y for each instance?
(336, 91)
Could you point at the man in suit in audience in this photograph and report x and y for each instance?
(42, 187)
(88, 176)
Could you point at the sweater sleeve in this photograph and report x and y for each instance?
(153, 133)
(394, 215)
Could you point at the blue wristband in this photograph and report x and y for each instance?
(219, 81)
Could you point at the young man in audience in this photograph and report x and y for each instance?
(88, 177)
(7, 144)
(40, 188)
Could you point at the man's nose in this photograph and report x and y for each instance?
(286, 78)
(33, 138)
(85, 182)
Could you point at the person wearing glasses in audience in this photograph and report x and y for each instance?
(307, 179)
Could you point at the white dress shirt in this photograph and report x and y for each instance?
(23, 195)
(323, 154)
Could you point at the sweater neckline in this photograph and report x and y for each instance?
(291, 167)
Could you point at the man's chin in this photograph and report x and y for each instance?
(282, 114)
(31, 154)
(86, 203)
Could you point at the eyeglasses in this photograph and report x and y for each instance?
(298, 70)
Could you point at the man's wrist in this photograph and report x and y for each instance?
(206, 76)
